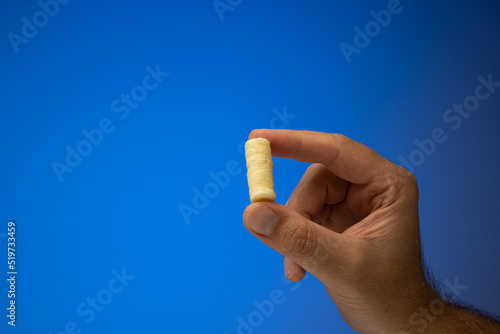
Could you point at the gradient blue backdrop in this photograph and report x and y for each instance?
(119, 208)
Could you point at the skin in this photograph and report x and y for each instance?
(352, 222)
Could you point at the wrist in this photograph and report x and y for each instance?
(426, 308)
(415, 305)
(428, 315)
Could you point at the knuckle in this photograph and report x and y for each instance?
(412, 180)
(340, 138)
(316, 170)
(299, 240)
(398, 184)
(408, 179)
(405, 174)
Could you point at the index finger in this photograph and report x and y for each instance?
(343, 156)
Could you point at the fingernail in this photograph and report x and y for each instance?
(289, 267)
(262, 220)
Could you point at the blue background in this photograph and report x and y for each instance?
(119, 208)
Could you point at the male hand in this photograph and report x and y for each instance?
(352, 222)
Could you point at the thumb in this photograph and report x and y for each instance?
(312, 246)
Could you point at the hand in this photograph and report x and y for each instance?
(352, 222)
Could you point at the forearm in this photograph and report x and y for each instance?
(440, 317)
(457, 319)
